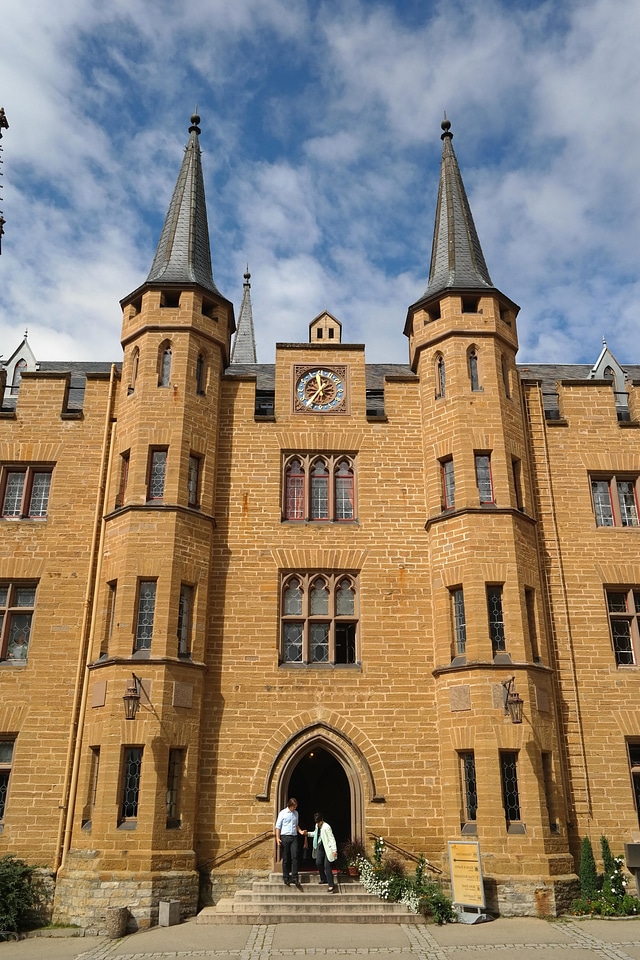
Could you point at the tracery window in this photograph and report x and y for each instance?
(496, 619)
(319, 487)
(174, 786)
(459, 622)
(185, 619)
(130, 789)
(510, 791)
(157, 472)
(145, 615)
(319, 618)
(469, 786)
(24, 492)
(447, 478)
(17, 606)
(193, 480)
(615, 501)
(624, 619)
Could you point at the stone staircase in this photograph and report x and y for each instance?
(269, 901)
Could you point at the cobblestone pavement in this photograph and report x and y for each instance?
(524, 939)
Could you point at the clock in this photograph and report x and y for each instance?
(320, 390)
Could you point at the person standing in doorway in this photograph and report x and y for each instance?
(287, 830)
(325, 851)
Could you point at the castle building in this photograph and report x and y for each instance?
(408, 595)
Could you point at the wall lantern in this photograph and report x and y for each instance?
(513, 702)
(131, 698)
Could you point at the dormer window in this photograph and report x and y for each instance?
(169, 298)
(470, 304)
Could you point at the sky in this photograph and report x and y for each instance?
(321, 153)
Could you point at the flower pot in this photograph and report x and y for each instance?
(353, 871)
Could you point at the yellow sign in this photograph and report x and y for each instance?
(467, 887)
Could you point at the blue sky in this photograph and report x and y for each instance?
(321, 151)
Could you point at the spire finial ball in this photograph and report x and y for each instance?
(446, 126)
(195, 120)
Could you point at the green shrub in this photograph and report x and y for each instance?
(588, 874)
(20, 893)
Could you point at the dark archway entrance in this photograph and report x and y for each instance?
(319, 782)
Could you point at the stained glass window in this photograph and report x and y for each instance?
(319, 622)
(483, 477)
(510, 793)
(131, 783)
(157, 471)
(496, 619)
(146, 610)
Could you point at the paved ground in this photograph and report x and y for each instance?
(524, 939)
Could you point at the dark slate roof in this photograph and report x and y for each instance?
(78, 380)
(457, 260)
(183, 254)
(244, 345)
(550, 373)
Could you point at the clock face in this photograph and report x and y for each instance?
(320, 390)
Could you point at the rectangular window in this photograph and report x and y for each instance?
(174, 784)
(319, 488)
(469, 785)
(615, 501)
(92, 786)
(131, 772)
(157, 472)
(496, 620)
(146, 610)
(624, 610)
(459, 622)
(483, 478)
(6, 760)
(448, 484)
(530, 604)
(25, 492)
(185, 608)
(124, 478)
(319, 619)
(547, 777)
(110, 614)
(516, 470)
(634, 765)
(193, 482)
(17, 604)
(510, 794)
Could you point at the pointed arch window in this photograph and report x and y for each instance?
(135, 360)
(319, 619)
(319, 488)
(441, 379)
(18, 370)
(164, 365)
(472, 365)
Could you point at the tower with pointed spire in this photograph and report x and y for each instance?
(244, 345)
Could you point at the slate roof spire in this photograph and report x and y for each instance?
(457, 261)
(244, 345)
(183, 254)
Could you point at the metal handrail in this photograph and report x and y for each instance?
(236, 850)
(406, 854)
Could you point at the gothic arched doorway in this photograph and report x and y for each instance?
(319, 783)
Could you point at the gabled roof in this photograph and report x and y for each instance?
(183, 254)
(457, 261)
(244, 345)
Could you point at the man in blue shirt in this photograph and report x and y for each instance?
(287, 831)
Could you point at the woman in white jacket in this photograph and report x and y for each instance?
(325, 851)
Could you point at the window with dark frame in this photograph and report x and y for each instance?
(483, 478)
(145, 614)
(516, 472)
(510, 792)
(319, 488)
(615, 501)
(496, 619)
(459, 622)
(530, 605)
(623, 606)
(633, 747)
(448, 482)
(135, 360)
(319, 618)
(6, 762)
(17, 607)
(131, 775)
(24, 492)
(110, 614)
(201, 375)
(125, 459)
(174, 784)
(469, 786)
(157, 473)
(185, 615)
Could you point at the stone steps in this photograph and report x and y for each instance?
(269, 901)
